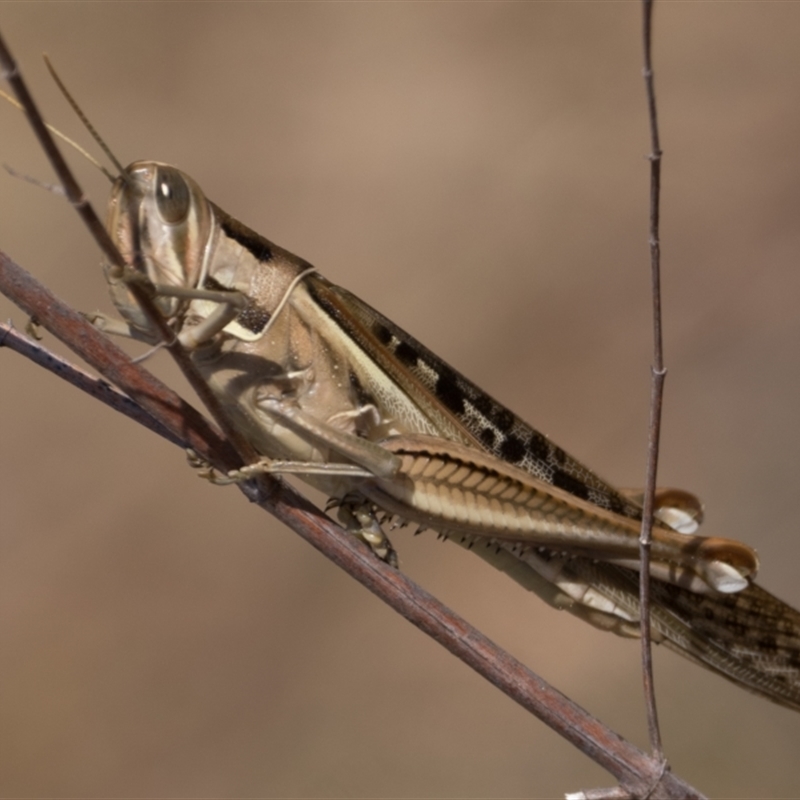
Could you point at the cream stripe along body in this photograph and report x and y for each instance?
(327, 388)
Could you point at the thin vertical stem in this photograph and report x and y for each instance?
(656, 391)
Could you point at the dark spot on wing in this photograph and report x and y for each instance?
(538, 446)
(512, 449)
(382, 333)
(559, 455)
(563, 480)
(406, 354)
(488, 437)
(448, 391)
(484, 404)
(503, 418)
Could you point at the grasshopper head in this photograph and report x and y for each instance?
(161, 221)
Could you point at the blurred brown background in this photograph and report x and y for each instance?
(477, 172)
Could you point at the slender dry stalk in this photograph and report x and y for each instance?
(656, 389)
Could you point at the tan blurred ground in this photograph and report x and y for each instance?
(475, 171)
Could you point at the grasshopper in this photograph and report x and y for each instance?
(326, 388)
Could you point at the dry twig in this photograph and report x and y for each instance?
(656, 392)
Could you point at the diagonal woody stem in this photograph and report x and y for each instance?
(634, 769)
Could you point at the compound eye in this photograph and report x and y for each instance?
(172, 195)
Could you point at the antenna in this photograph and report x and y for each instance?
(83, 118)
(64, 138)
